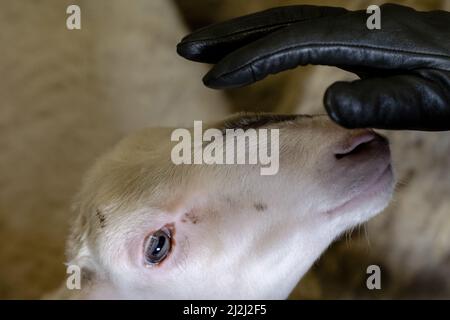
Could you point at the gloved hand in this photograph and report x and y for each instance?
(404, 67)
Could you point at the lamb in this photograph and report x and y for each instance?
(149, 229)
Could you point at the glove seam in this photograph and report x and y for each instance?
(246, 31)
(335, 45)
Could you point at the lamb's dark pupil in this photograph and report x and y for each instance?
(160, 245)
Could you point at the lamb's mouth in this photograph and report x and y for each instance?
(256, 120)
(382, 182)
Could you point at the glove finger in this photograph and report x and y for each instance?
(212, 43)
(404, 102)
(342, 41)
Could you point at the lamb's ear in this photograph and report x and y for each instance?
(80, 267)
(80, 259)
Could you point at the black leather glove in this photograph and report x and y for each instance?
(404, 67)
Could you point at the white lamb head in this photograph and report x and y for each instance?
(150, 229)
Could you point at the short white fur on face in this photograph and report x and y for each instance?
(234, 233)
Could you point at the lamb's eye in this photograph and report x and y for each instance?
(157, 246)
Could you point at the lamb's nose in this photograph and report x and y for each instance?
(357, 142)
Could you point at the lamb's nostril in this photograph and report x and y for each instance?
(355, 144)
